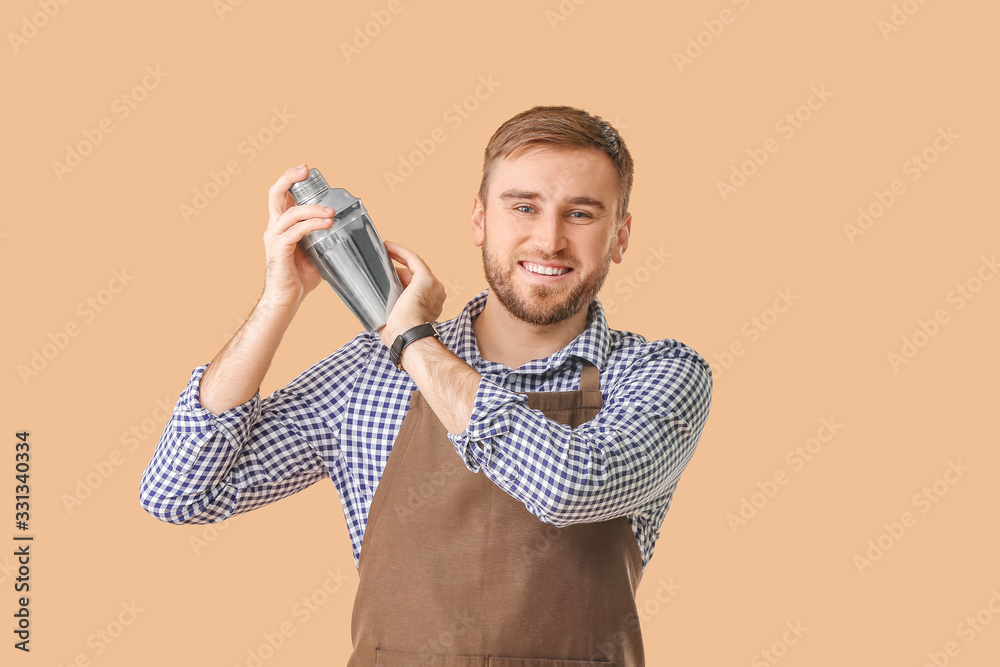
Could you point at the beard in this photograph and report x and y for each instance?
(542, 305)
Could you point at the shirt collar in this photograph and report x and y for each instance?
(592, 344)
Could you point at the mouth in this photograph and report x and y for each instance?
(554, 270)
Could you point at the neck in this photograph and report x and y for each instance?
(504, 339)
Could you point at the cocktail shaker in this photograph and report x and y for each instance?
(349, 254)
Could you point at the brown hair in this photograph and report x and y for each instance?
(559, 127)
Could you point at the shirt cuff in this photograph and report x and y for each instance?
(491, 418)
(235, 423)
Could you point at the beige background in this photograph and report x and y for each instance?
(212, 595)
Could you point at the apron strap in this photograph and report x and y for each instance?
(590, 379)
(590, 387)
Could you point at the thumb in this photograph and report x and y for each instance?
(405, 275)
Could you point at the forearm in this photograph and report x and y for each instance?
(631, 453)
(446, 381)
(235, 374)
(209, 479)
(207, 467)
(602, 471)
(594, 472)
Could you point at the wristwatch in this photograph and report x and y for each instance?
(407, 337)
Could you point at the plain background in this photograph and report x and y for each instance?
(716, 592)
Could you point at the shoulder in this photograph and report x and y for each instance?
(631, 353)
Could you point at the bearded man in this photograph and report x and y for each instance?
(545, 447)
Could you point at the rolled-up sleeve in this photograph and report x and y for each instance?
(631, 453)
(208, 467)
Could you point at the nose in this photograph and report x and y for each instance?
(550, 233)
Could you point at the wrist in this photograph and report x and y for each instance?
(398, 330)
(271, 305)
(412, 353)
(422, 332)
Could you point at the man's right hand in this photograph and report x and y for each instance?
(235, 374)
(289, 275)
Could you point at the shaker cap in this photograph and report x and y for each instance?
(305, 190)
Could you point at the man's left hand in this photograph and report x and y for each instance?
(423, 295)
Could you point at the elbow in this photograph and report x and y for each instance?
(160, 507)
(565, 510)
(171, 509)
(551, 515)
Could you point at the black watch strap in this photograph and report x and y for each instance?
(407, 337)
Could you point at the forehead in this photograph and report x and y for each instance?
(550, 170)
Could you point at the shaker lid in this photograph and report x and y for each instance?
(314, 184)
(306, 189)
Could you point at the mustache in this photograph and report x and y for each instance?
(560, 257)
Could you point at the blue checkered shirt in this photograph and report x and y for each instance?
(339, 419)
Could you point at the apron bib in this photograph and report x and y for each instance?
(454, 572)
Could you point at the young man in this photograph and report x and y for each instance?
(543, 447)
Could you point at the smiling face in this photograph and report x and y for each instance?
(553, 231)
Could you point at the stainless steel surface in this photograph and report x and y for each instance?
(349, 255)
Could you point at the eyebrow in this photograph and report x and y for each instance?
(524, 194)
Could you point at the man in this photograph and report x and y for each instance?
(509, 470)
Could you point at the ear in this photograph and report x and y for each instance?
(621, 243)
(478, 222)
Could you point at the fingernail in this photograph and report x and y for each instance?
(301, 167)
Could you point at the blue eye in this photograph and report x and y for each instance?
(518, 208)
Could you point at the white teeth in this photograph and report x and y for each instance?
(544, 270)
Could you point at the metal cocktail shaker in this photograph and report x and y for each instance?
(349, 254)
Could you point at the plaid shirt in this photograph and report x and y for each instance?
(339, 419)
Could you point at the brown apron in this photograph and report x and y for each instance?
(454, 572)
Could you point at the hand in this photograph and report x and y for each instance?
(289, 275)
(422, 298)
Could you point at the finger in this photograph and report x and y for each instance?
(405, 275)
(277, 195)
(300, 215)
(405, 256)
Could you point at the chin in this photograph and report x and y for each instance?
(539, 305)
